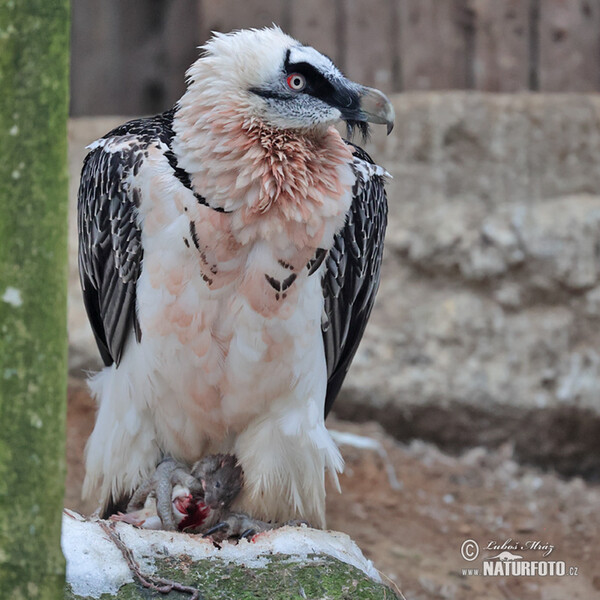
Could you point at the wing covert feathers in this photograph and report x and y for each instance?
(110, 249)
(352, 272)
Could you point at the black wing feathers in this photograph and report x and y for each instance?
(351, 277)
(110, 250)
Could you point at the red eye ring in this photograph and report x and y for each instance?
(296, 82)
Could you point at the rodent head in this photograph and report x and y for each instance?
(221, 477)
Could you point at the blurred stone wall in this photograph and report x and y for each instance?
(487, 324)
(130, 56)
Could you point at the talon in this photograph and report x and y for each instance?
(238, 525)
(218, 527)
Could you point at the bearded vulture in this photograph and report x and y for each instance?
(229, 255)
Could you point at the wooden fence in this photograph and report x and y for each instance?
(129, 56)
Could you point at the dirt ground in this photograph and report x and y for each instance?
(414, 534)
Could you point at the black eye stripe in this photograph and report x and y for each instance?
(337, 94)
(319, 86)
(316, 83)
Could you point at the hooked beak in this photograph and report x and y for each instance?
(376, 108)
(366, 105)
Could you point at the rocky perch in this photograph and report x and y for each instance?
(287, 563)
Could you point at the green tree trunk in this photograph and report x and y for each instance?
(34, 64)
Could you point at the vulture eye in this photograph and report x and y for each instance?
(296, 82)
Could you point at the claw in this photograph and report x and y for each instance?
(218, 527)
(248, 534)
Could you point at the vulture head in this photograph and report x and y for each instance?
(269, 76)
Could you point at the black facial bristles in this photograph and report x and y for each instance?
(362, 126)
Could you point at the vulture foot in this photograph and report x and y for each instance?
(161, 484)
(240, 525)
(237, 525)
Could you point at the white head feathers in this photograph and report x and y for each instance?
(247, 57)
